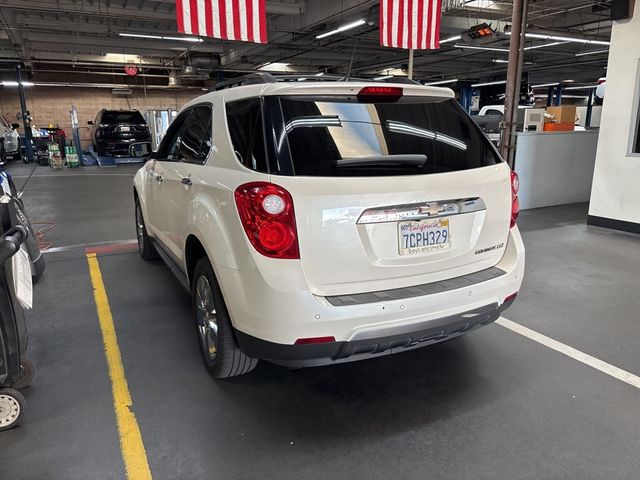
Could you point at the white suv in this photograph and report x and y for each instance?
(326, 222)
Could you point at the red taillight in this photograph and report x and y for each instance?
(266, 213)
(515, 203)
(379, 94)
(314, 340)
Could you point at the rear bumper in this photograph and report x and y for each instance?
(271, 307)
(397, 340)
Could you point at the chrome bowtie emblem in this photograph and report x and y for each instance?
(430, 209)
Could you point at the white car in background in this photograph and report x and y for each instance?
(325, 222)
(10, 144)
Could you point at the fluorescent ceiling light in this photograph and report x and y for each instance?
(384, 77)
(583, 87)
(492, 49)
(319, 74)
(140, 35)
(184, 39)
(544, 45)
(560, 38)
(451, 39)
(441, 82)
(274, 67)
(487, 84)
(343, 28)
(564, 96)
(11, 83)
(594, 52)
(543, 85)
(159, 37)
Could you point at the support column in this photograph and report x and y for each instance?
(514, 75)
(466, 93)
(26, 122)
(550, 96)
(587, 121)
(558, 95)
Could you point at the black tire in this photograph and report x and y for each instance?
(12, 407)
(145, 247)
(100, 151)
(18, 154)
(220, 352)
(3, 154)
(27, 372)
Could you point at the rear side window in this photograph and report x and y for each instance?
(114, 117)
(196, 138)
(244, 118)
(411, 137)
(170, 146)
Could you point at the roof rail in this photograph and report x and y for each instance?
(250, 79)
(264, 77)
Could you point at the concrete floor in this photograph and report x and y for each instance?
(490, 405)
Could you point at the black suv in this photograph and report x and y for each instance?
(120, 133)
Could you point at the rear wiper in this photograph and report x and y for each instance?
(413, 160)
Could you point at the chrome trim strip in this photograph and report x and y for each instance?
(417, 290)
(421, 211)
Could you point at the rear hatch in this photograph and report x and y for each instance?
(389, 190)
(124, 124)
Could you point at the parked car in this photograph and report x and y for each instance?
(316, 223)
(9, 140)
(120, 133)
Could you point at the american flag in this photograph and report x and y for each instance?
(243, 20)
(410, 23)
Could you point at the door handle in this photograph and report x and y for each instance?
(159, 178)
(187, 181)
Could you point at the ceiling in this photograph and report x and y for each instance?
(79, 42)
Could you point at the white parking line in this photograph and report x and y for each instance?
(571, 352)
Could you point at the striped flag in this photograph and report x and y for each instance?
(410, 23)
(242, 20)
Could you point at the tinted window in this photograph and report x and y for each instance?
(244, 118)
(342, 138)
(196, 138)
(115, 117)
(493, 112)
(170, 146)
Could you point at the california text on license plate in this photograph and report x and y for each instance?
(423, 236)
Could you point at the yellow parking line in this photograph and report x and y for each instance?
(133, 452)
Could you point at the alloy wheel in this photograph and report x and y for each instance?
(207, 318)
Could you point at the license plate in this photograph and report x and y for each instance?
(423, 236)
(125, 129)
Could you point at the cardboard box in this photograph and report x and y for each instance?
(562, 114)
(559, 127)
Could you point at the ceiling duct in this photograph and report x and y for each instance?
(200, 67)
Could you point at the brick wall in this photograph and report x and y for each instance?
(53, 104)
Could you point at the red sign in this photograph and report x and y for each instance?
(131, 70)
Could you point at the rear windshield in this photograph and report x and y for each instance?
(122, 117)
(332, 137)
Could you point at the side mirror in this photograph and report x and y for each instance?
(89, 122)
(15, 126)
